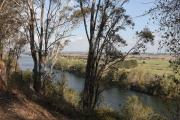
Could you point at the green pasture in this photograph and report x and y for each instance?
(152, 66)
(155, 66)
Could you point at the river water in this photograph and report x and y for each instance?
(113, 97)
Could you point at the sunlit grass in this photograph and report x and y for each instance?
(74, 65)
(155, 66)
(152, 66)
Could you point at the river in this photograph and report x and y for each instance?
(113, 97)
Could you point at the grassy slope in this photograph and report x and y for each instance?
(15, 106)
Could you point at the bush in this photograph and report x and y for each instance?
(78, 68)
(57, 91)
(20, 80)
(115, 77)
(128, 64)
(27, 75)
(122, 75)
(135, 110)
(170, 86)
(104, 114)
(75, 65)
(139, 76)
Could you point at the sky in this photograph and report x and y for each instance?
(134, 8)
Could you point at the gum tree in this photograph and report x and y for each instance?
(167, 14)
(48, 25)
(10, 23)
(103, 20)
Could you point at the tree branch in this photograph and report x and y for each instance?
(84, 19)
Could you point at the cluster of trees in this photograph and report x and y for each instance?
(167, 13)
(45, 26)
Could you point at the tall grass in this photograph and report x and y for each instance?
(133, 109)
(74, 65)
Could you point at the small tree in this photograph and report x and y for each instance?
(14, 48)
(106, 18)
(10, 27)
(9, 21)
(49, 23)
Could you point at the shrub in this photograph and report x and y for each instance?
(133, 109)
(170, 86)
(105, 114)
(27, 75)
(122, 75)
(20, 80)
(138, 76)
(128, 64)
(57, 91)
(75, 65)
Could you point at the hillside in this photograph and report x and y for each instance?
(15, 106)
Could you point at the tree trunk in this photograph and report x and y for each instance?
(36, 80)
(1, 50)
(40, 51)
(89, 92)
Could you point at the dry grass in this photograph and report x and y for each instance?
(15, 106)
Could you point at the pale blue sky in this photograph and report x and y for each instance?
(134, 8)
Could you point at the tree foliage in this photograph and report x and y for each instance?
(103, 22)
(10, 22)
(10, 36)
(166, 12)
(168, 16)
(48, 25)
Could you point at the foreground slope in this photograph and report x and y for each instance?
(15, 106)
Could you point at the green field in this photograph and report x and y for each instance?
(152, 66)
(155, 66)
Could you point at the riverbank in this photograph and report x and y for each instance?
(57, 103)
(75, 66)
(112, 98)
(151, 77)
(62, 102)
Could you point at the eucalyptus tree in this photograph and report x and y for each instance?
(13, 49)
(9, 22)
(10, 25)
(167, 14)
(103, 20)
(4, 3)
(48, 27)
